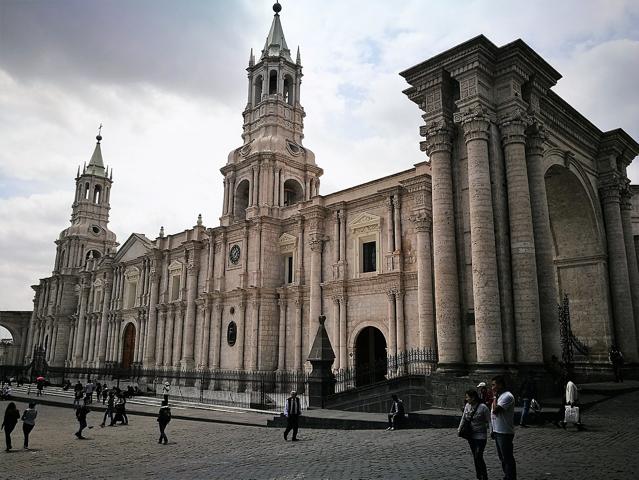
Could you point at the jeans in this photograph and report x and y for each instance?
(83, 424)
(525, 411)
(109, 413)
(292, 423)
(7, 434)
(162, 434)
(477, 447)
(26, 429)
(504, 444)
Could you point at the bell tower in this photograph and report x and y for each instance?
(272, 170)
(88, 235)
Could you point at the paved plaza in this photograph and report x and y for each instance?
(607, 450)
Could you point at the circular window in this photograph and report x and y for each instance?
(231, 334)
(95, 229)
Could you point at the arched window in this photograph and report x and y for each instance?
(87, 187)
(93, 254)
(97, 192)
(288, 89)
(257, 88)
(293, 192)
(241, 199)
(272, 82)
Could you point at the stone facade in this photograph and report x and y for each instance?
(522, 200)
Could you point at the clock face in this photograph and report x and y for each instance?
(234, 254)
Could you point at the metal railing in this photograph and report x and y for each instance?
(409, 362)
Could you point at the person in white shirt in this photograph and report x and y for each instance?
(572, 399)
(292, 412)
(503, 425)
(165, 391)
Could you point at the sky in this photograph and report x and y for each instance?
(167, 80)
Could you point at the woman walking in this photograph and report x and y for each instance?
(164, 417)
(473, 426)
(11, 417)
(28, 422)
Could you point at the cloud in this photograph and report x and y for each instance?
(168, 83)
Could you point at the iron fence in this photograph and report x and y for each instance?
(409, 362)
(264, 390)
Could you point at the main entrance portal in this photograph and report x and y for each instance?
(128, 347)
(370, 357)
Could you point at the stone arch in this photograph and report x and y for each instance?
(128, 344)
(293, 192)
(579, 253)
(257, 89)
(368, 345)
(17, 324)
(241, 199)
(288, 90)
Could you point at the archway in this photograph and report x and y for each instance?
(241, 199)
(580, 262)
(293, 192)
(370, 357)
(128, 346)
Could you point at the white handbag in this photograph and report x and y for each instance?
(571, 415)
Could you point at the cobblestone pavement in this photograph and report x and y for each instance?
(606, 450)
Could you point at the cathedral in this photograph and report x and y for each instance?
(520, 201)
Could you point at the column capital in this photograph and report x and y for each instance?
(536, 135)
(512, 126)
(438, 138)
(626, 196)
(423, 221)
(475, 124)
(316, 242)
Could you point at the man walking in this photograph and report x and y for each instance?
(616, 359)
(503, 423)
(292, 412)
(527, 392)
(81, 415)
(109, 410)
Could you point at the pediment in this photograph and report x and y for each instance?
(136, 246)
(287, 238)
(364, 219)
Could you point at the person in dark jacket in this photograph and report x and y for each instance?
(28, 422)
(164, 417)
(527, 392)
(81, 416)
(397, 413)
(11, 417)
(109, 410)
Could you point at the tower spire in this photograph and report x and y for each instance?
(275, 45)
(96, 164)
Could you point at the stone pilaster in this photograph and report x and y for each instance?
(205, 345)
(281, 339)
(152, 328)
(483, 251)
(343, 331)
(84, 298)
(104, 324)
(316, 242)
(241, 334)
(522, 242)
(193, 268)
(169, 336)
(633, 273)
(426, 320)
(625, 330)
(298, 335)
(548, 296)
(335, 329)
(216, 342)
(255, 334)
(448, 322)
(159, 337)
(392, 323)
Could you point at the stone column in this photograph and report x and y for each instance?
(390, 244)
(342, 243)
(159, 337)
(392, 324)
(188, 360)
(79, 347)
(241, 334)
(299, 273)
(206, 335)
(426, 320)
(169, 337)
(399, 311)
(633, 273)
(136, 343)
(281, 339)
(231, 205)
(522, 243)
(625, 330)
(255, 335)
(448, 322)
(225, 204)
(216, 343)
(343, 329)
(104, 324)
(298, 335)
(548, 297)
(315, 243)
(87, 354)
(199, 331)
(397, 223)
(336, 338)
(336, 240)
(178, 335)
(151, 347)
(485, 281)
(107, 357)
(118, 340)
(254, 197)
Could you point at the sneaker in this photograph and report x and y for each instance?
(392, 429)
(295, 440)
(285, 437)
(388, 428)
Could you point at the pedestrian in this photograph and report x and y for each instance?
(396, 414)
(477, 416)
(11, 417)
(485, 394)
(98, 391)
(527, 392)
(572, 402)
(88, 391)
(164, 417)
(39, 386)
(292, 412)
(616, 358)
(165, 391)
(109, 410)
(122, 408)
(503, 426)
(105, 393)
(28, 422)
(81, 416)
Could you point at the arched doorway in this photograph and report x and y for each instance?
(241, 200)
(128, 346)
(579, 258)
(370, 357)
